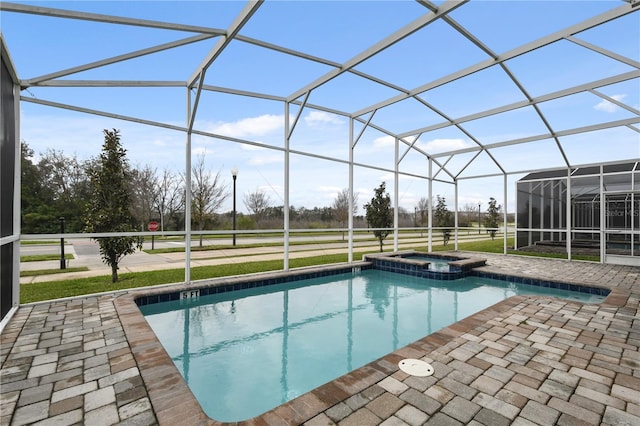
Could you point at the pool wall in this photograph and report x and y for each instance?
(223, 285)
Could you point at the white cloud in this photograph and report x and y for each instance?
(266, 159)
(249, 147)
(388, 179)
(607, 106)
(249, 127)
(384, 142)
(320, 118)
(440, 145)
(198, 151)
(332, 190)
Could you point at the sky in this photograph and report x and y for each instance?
(336, 31)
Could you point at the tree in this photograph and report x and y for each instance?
(109, 207)
(145, 192)
(470, 215)
(170, 198)
(378, 213)
(341, 207)
(207, 194)
(423, 211)
(258, 204)
(57, 186)
(37, 213)
(443, 219)
(491, 218)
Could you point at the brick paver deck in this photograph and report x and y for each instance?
(524, 361)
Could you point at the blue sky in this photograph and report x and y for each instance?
(336, 31)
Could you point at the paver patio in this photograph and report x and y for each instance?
(524, 361)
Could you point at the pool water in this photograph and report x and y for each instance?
(437, 264)
(245, 352)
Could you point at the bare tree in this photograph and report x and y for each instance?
(207, 194)
(341, 207)
(170, 197)
(257, 203)
(144, 194)
(470, 214)
(422, 212)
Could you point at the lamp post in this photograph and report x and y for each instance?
(62, 259)
(234, 173)
(478, 218)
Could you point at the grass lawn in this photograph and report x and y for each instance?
(52, 271)
(58, 289)
(43, 257)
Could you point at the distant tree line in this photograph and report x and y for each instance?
(58, 185)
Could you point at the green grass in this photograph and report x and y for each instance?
(36, 292)
(52, 271)
(43, 257)
(487, 246)
(58, 289)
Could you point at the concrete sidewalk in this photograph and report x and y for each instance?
(141, 261)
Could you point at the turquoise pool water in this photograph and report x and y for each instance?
(437, 264)
(247, 351)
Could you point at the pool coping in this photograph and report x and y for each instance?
(173, 402)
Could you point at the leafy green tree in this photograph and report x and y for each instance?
(109, 208)
(378, 213)
(37, 211)
(492, 216)
(65, 176)
(443, 219)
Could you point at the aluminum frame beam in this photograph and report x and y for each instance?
(513, 53)
(250, 8)
(109, 19)
(402, 33)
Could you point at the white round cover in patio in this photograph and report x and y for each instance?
(416, 367)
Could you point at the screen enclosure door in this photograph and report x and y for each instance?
(622, 228)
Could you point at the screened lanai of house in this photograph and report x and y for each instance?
(459, 98)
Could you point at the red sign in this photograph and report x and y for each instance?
(153, 225)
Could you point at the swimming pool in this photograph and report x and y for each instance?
(245, 352)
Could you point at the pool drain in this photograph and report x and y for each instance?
(416, 367)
